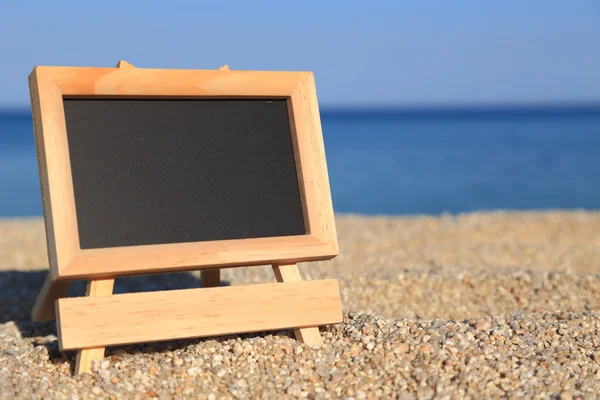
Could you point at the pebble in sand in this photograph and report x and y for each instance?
(498, 305)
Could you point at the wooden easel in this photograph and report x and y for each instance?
(44, 309)
(89, 324)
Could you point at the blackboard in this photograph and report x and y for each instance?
(160, 171)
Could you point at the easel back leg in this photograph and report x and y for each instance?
(211, 278)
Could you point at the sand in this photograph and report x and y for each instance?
(480, 305)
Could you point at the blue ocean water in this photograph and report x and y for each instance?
(409, 161)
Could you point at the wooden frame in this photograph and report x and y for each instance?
(101, 319)
(49, 85)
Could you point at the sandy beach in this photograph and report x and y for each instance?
(480, 305)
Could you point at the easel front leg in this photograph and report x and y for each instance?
(211, 278)
(43, 309)
(95, 288)
(290, 273)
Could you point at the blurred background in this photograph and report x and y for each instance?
(426, 107)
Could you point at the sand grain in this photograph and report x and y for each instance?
(482, 305)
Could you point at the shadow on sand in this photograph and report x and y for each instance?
(19, 289)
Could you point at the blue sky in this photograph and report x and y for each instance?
(363, 53)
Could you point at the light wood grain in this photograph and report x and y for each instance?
(311, 160)
(43, 309)
(124, 64)
(100, 287)
(54, 169)
(85, 358)
(87, 81)
(112, 262)
(211, 278)
(96, 288)
(179, 314)
(290, 273)
(51, 137)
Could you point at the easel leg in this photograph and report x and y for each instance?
(95, 288)
(290, 273)
(211, 278)
(43, 309)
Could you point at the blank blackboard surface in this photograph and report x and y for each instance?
(159, 171)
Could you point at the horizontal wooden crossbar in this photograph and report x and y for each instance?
(87, 322)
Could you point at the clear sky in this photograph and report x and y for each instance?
(368, 52)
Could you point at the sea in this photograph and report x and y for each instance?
(409, 161)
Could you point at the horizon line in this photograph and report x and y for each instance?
(425, 110)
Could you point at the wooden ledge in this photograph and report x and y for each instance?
(88, 322)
